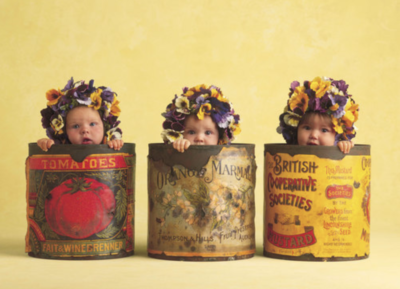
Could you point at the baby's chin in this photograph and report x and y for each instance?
(86, 141)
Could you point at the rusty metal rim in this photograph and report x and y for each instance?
(80, 152)
(331, 152)
(199, 259)
(121, 254)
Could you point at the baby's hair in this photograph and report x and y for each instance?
(200, 101)
(310, 114)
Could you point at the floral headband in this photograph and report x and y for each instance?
(60, 102)
(325, 96)
(200, 101)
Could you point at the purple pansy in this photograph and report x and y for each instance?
(107, 95)
(70, 85)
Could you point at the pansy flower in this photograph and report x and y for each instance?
(299, 100)
(57, 124)
(53, 96)
(96, 99)
(170, 135)
(320, 86)
(115, 110)
(114, 133)
(182, 105)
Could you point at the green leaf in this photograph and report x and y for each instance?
(78, 184)
(203, 192)
(107, 232)
(192, 198)
(121, 204)
(48, 232)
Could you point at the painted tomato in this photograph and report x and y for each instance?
(79, 208)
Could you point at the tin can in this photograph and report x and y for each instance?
(80, 202)
(316, 203)
(201, 202)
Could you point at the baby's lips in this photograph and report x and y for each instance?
(86, 141)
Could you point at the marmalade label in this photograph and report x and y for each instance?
(206, 213)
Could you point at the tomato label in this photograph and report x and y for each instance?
(80, 209)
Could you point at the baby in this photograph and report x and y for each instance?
(81, 114)
(201, 115)
(319, 113)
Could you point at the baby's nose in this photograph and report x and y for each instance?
(84, 130)
(199, 138)
(314, 133)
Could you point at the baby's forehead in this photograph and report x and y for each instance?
(82, 112)
(193, 120)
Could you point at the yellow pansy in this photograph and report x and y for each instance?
(236, 128)
(218, 95)
(203, 110)
(96, 99)
(320, 86)
(291, 119)
(115, 110)
(337, 125)
(299, 99)
(334, 107)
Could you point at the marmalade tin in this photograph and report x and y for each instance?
(80, 202)
(316, 203)
(201, 202)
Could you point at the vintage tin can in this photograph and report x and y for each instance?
(316, 203)
(201, 202)
(80, 202)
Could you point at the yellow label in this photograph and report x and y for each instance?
(317, 206)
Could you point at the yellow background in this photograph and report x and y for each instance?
(147, 51)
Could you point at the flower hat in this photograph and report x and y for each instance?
(75, 94)
(201, 101)
(322, 95)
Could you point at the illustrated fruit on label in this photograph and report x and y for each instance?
(79, 208)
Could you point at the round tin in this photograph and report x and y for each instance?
(201, 202)
(80, 202)
(316, 202)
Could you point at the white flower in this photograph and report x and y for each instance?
(182, 105)
(57, 123)
(170, 135)
(114, 133)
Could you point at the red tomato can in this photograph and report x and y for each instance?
(80, 202)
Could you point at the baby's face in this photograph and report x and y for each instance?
(201, 132)
(84, 126)
(316, 131)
